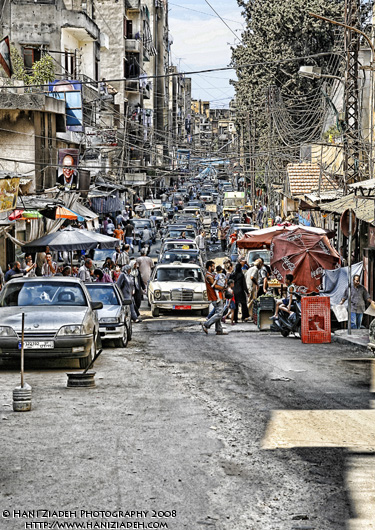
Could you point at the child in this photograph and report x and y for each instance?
(229, 302)
(220, 280)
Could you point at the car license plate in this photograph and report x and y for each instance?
(35, 344)
(182, 307)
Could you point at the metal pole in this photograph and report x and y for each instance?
(22, 348)
(350, 272)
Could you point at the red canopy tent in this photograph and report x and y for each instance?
(263, 238)
(304, 254)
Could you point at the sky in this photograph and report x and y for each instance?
(202, 41)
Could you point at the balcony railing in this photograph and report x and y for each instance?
(132, 85)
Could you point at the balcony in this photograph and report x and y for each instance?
(133, 45)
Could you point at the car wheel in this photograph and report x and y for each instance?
(129, 328)
(123, 341)
(155, 311)
(205, 311)
(84, 362)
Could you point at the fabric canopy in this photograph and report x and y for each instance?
(71, 239)
(305, 255)
(263, 238)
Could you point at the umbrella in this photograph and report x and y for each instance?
(304, 254)
(62, 212)
(71, 239)
(262, 238)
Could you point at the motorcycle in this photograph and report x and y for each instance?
(214, 235)
(289, 323)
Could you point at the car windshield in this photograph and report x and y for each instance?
(43, 294)
(190, 234)
(183, 257)
(255, 254)
(102, 254)
(141, 224)
(180, 244)
(178, 275)
(106, 295)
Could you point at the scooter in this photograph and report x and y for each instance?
(214, 235)
(289, 323)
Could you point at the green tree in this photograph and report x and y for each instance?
(42, 71)
(279, 30)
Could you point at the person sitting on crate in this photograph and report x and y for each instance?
(285, 303)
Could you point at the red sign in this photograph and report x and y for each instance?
(182, 307)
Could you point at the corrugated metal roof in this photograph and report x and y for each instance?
(363, 208)
(304, 178)
(364, 184)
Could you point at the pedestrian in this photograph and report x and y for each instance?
(126, 284)
(230, 303)
(120, 257)
(216, 301)
(285, 304)
(119, 219)
(252, 282)
(29, 263)
(241, 292)
(139, 286)
(110, 227)
(49, 267)
(84, 272)
(16, 271)
(129, 235)
(119, 233)
(359, 297)
(224, 229)
(201, 244)
(263, 288)
(146, 264)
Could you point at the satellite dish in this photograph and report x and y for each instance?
(344, 222)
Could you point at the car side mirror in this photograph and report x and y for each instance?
(96, 305)
(127, 301)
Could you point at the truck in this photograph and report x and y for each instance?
(233, 201)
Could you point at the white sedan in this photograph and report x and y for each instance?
(177, 286)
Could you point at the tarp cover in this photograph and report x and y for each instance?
(71, 239)
(336, 281)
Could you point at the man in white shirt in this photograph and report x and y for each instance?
(84, 271)
(49, 267)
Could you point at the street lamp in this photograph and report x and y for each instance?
(314, 72)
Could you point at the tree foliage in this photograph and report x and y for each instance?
(42, 71)
(279, 30)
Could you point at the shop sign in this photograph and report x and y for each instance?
(9, 193)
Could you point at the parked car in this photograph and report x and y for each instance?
(174, 232)
(114, 318)
(60, 319)
(177, 287)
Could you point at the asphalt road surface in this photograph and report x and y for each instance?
(184, 426)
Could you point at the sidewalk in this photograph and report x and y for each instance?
(359, 338)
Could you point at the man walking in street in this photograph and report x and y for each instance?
(49, 267)
(84, 273)
(216, 300)
(129, 235)
(201, 244)
(146, 264)
(359, 297)
(125, 282)
(252, 282)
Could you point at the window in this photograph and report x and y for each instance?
(30, 56)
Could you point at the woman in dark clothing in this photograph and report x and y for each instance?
(240, 293)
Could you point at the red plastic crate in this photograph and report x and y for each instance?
(316, 319)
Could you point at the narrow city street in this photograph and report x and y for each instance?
(175, 429)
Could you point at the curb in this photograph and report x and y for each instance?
(347, 342)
